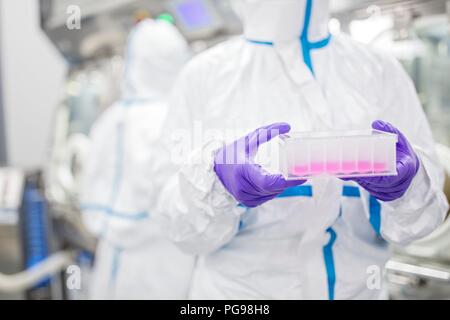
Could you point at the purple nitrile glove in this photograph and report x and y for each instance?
(408, 164)
(248, 182)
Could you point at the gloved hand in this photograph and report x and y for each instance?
(248, 182)
(408, 164)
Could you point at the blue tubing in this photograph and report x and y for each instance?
(36, 242)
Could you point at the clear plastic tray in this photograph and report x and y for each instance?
(348, 154)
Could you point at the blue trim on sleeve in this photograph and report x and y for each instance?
(351, 192)
(299, 191)
(329, 263)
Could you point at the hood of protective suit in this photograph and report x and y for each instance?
(284, 20)
(155, 54)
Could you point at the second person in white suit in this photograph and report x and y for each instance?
(134, 260)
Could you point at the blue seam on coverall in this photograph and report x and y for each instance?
(374, 207)
(307, 191)
(375, 214)
(307, 46)
(117, 179)
(115, 266)
(320, 44)
(108, 210)
(299, 191)
(330, 267)
(263, 43)
(328, 249)
(117, 182)
(351, 192)
(304, 37)
(329, 263)
(348, 191)
(119, 175)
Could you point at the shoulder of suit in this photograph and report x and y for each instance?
(215, 56)
(364, 57)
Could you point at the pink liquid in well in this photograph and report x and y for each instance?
(302, 171)
(380, 167)
(349, 167)
(364, 166)
(317, 167)
(332, 168)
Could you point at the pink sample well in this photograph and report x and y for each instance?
(341, 154)
(334, 168)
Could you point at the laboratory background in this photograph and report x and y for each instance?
(60, 72)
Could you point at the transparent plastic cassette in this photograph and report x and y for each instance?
(348, 154)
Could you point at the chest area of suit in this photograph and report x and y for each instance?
(262, 93)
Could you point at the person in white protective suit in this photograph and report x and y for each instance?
(326, 238)
(133, 259)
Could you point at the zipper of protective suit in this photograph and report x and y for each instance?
(307, 47)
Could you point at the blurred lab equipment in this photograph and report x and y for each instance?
(22, 203)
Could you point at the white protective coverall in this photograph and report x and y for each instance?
(327, 239)
(133, 259)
